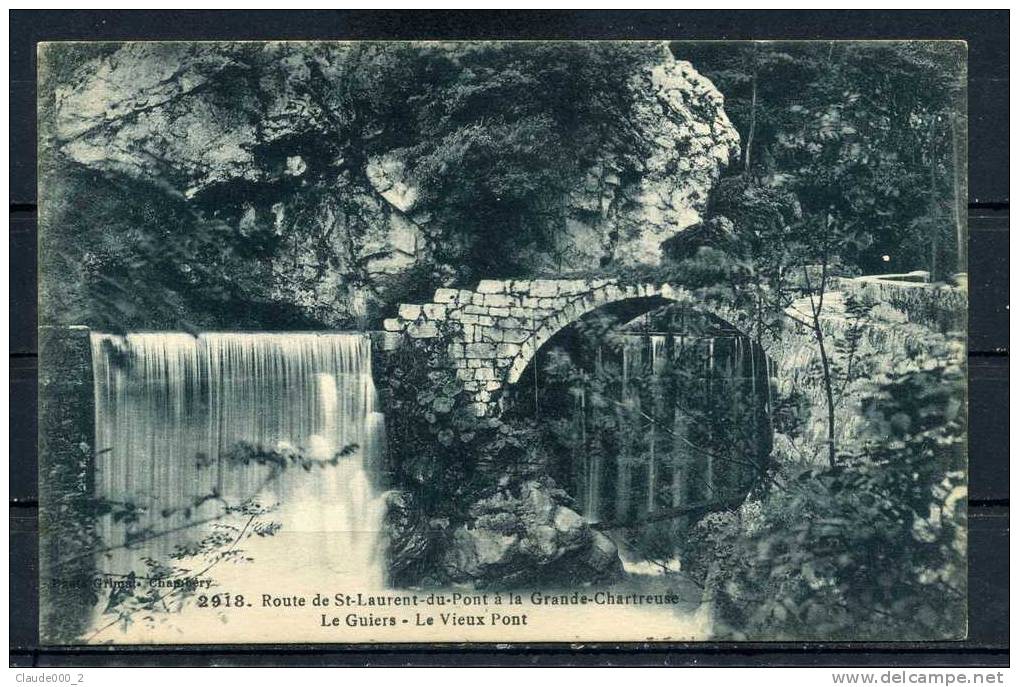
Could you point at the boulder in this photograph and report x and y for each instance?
(569, 526)
(524, 534)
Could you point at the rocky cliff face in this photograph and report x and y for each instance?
(624, 221)
(250, 134)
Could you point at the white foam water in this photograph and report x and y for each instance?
(170, 407)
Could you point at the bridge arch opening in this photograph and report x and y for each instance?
(653, 413)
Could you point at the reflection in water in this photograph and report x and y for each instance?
(169, 408)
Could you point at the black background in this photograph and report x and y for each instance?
(987, 35)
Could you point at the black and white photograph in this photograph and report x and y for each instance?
(502, 341)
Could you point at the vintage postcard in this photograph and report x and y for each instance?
(380, 342)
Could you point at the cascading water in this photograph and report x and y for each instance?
(653, 424)
(171, 409)
(674, 431)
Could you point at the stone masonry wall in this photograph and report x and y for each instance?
(495, 330)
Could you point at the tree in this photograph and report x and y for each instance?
(875, 547)
(849, 167)
(871, 128)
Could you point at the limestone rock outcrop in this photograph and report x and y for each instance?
(237, 130)
(625, 220)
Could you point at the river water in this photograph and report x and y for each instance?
(172, 410)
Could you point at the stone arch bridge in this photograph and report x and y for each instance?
(493, 332)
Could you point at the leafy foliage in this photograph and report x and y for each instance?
(509, 132)
(868, 133)
(874, 547)
(154, 261)
(164, 588)
(438, 449)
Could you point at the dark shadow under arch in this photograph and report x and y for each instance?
(524, 398)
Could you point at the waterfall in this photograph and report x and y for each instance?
(590, 479)
(658, 359)
(681, 459)
(171, 406)
(753, 374)
(658, 343)
(664, 454)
